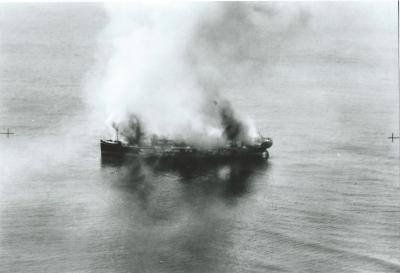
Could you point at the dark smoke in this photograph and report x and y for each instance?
(133, 133)
(234, 130)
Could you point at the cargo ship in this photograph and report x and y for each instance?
(163, 148)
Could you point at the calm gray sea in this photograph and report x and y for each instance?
(327, 201)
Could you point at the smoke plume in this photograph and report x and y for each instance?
(169, 66)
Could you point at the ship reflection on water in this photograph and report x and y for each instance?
(226, 178)
(179, 213)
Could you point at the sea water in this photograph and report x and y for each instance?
(326, 201)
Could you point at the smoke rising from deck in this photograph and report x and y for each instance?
(169, 66)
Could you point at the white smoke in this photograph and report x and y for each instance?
(170, 65)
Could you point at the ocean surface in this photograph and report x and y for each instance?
(327, 200)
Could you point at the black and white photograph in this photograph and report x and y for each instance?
(199, 137)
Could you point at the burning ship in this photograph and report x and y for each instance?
(163, 148)
(236, 142)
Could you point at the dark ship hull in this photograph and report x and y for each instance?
(173, 151)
